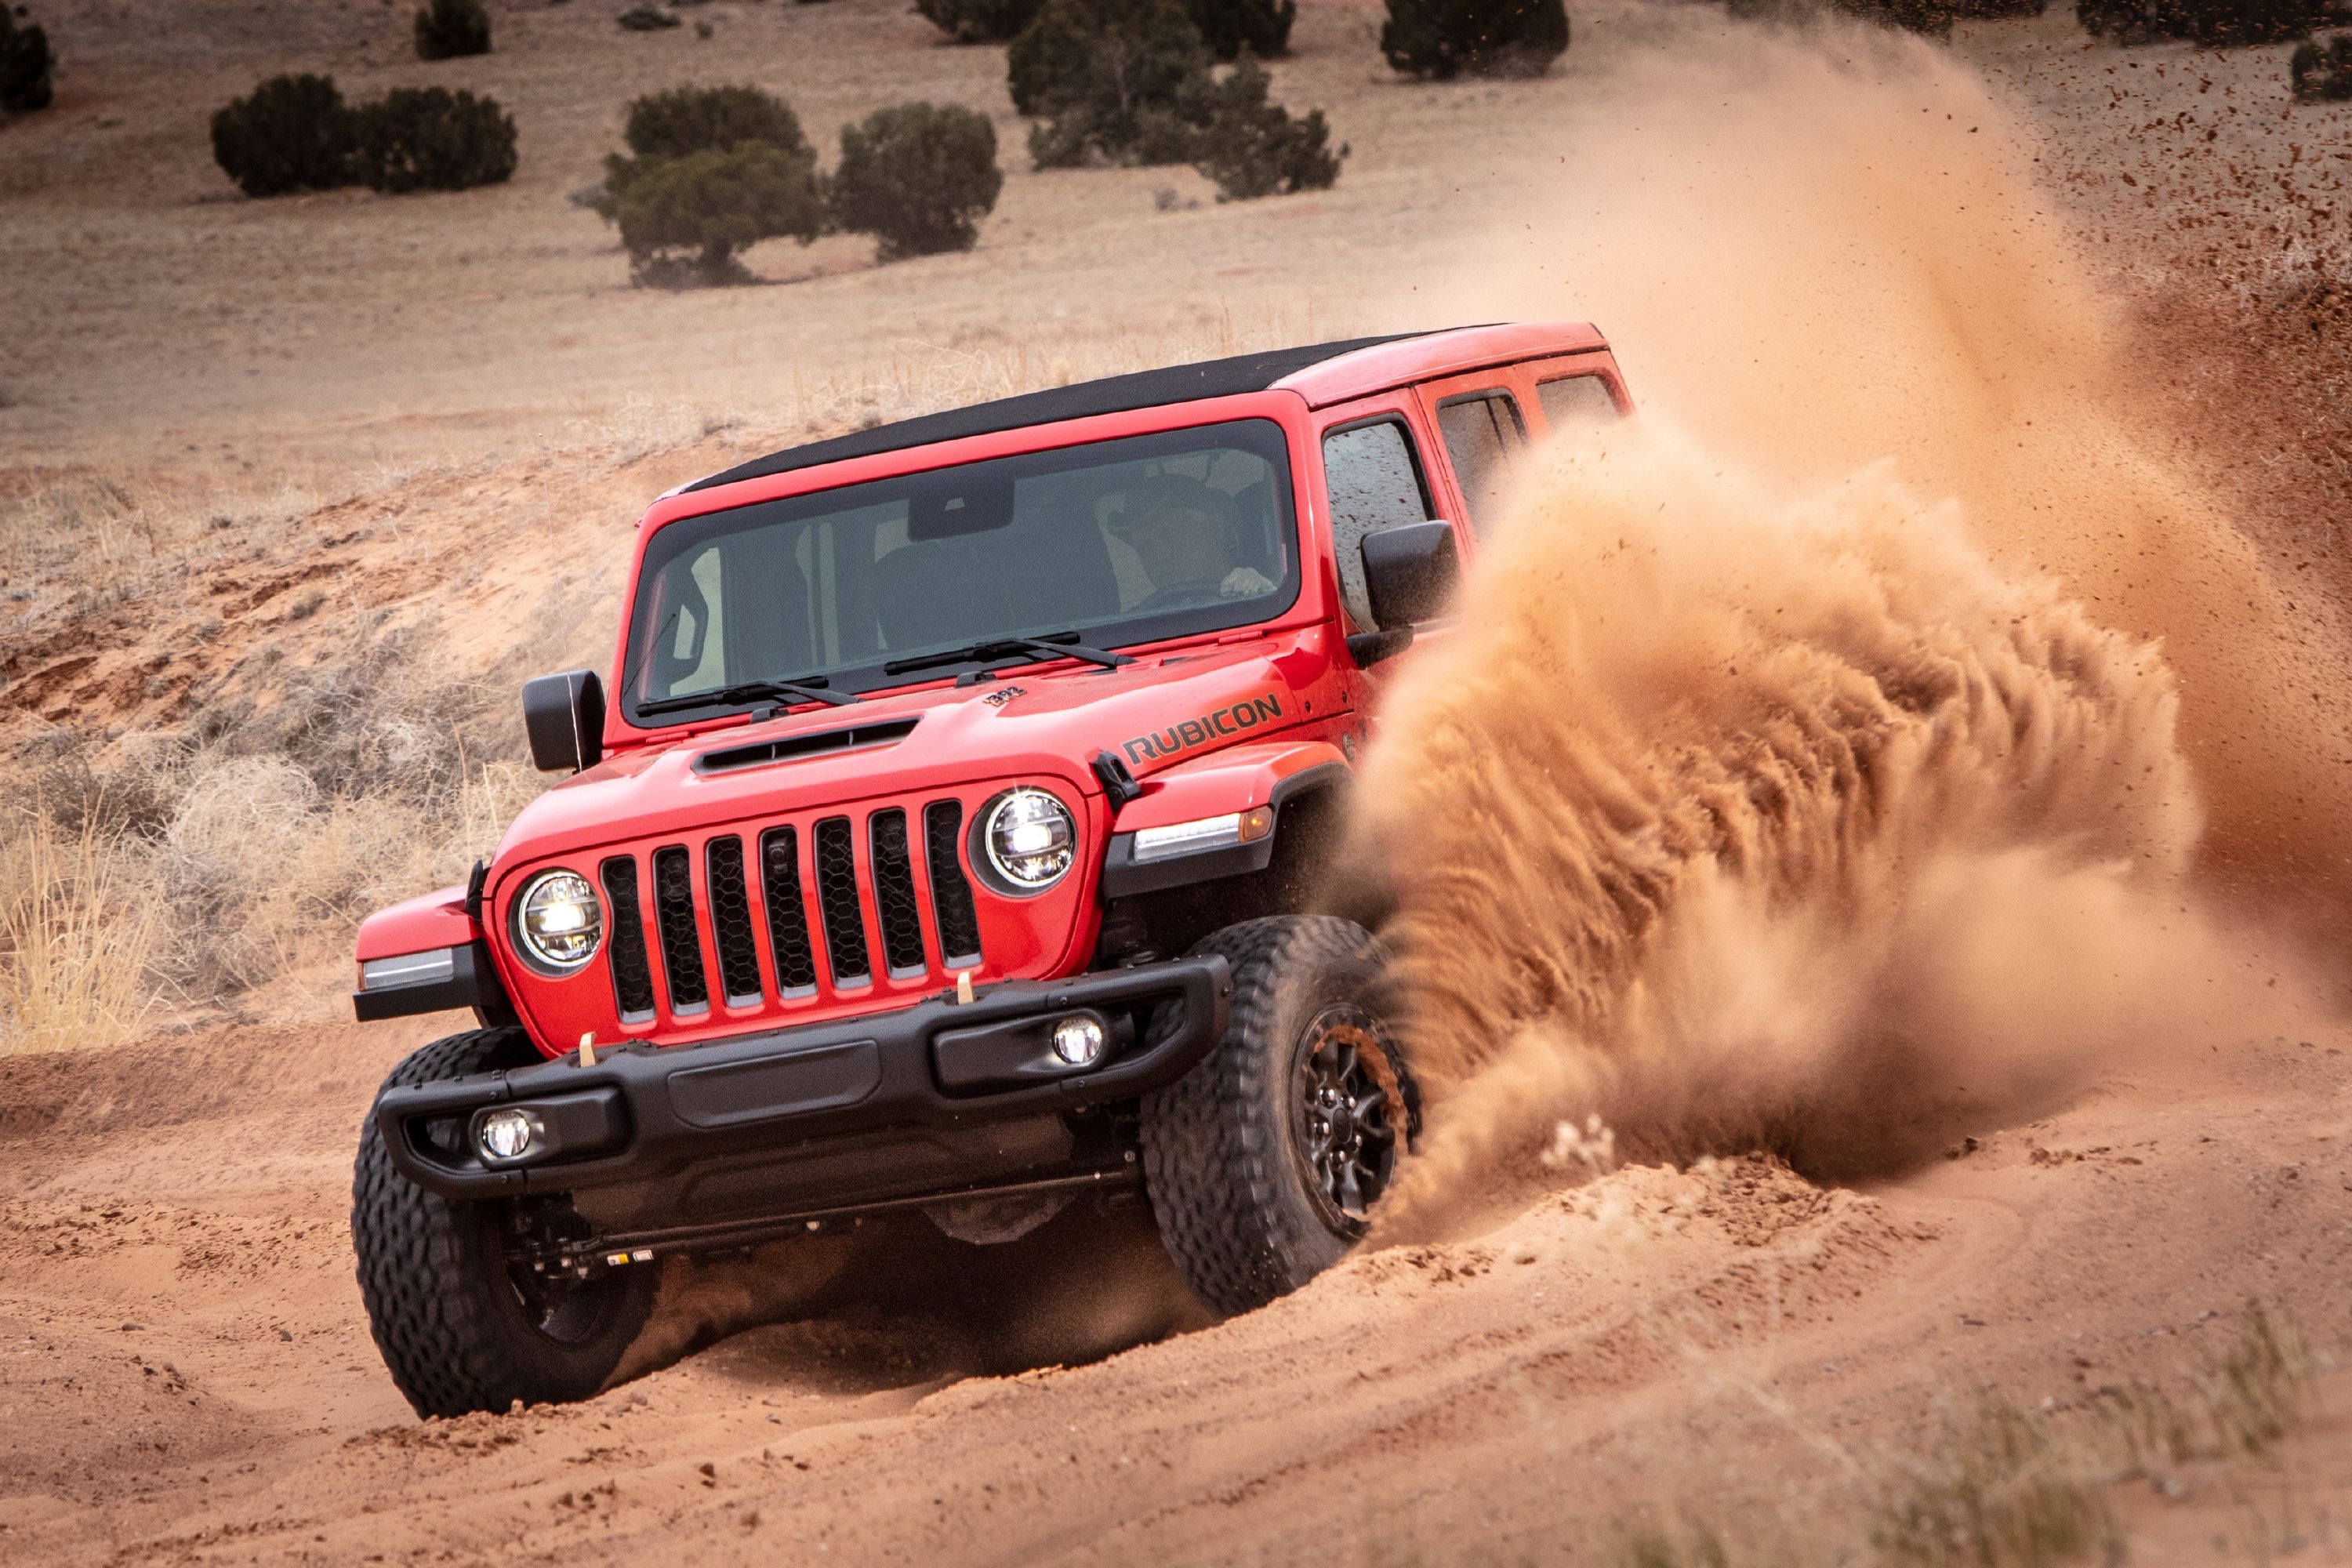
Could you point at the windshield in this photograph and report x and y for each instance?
(1118, 541)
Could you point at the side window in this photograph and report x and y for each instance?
(1576, 404)
(1482, 434)
(1374, 481)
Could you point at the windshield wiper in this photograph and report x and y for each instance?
(812, 689)
(1010, 650)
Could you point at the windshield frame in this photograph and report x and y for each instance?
(819, 491)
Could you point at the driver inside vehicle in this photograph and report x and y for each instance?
(1181, 530)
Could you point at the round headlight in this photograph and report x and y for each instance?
(558, 921)
(1031, 840)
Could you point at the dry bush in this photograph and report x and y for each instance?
(240, 830)
(372, 775)
(265, 874)
(2240, 1406)
(1685, 1545)
(2006, 1488)
(2002, 1490)
(80, 924)
(380, 716)
(251, 847)
(132, 799)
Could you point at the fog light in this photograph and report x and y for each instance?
(1079, 1040)
(508, 1134)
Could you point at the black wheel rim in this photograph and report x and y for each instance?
(553, 1302)
(1347, 1133)
(564, 1312)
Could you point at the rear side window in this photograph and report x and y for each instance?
(1374, 481)
(1483, 433)
(1577, 403)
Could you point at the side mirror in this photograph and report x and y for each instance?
(563, 719)
(1410, 572)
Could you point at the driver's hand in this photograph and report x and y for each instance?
(1244, 580)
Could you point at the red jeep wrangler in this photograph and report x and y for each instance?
(946, 842)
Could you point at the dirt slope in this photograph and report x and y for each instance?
(188, 1375)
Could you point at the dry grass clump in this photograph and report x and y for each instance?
(2005, 1489)
(2008, 1487)
(81, 541)
(80, 928)
(113, 538)
(1687, 1545)
(2238, 1407)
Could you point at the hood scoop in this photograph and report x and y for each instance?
(818, 743)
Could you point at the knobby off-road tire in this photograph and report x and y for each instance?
(1238, 1154)
(459, 1328)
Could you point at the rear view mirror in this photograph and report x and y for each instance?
(1411, 572)
(563, 719)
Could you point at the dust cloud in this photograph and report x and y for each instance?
(1881, 735)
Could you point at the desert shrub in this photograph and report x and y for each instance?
(293, 133)
(446, 29)
(1229, 26)
(686, 120)
(684, 219)
(1124, 79)
(1931, 18)
(979, 21)
(917, 177)
(648, 19)
(1252, 148)
(130, 800)
(430, 139)
(25, 64)
(2323, 71)
(716, 169)
(698, 119)
(2209, 22)
(1445, 38)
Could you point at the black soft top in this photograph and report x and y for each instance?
(1111, 395)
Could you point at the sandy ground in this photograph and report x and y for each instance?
(188, 1376)
(442, 412)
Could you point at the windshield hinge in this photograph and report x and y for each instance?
(1118, 781)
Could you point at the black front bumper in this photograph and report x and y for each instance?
(643, 1113)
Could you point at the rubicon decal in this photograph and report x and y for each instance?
(1232, 721)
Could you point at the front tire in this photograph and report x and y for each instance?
(462, 1323)
(1265, 1160)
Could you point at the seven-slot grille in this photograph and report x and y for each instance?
(811, 885)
